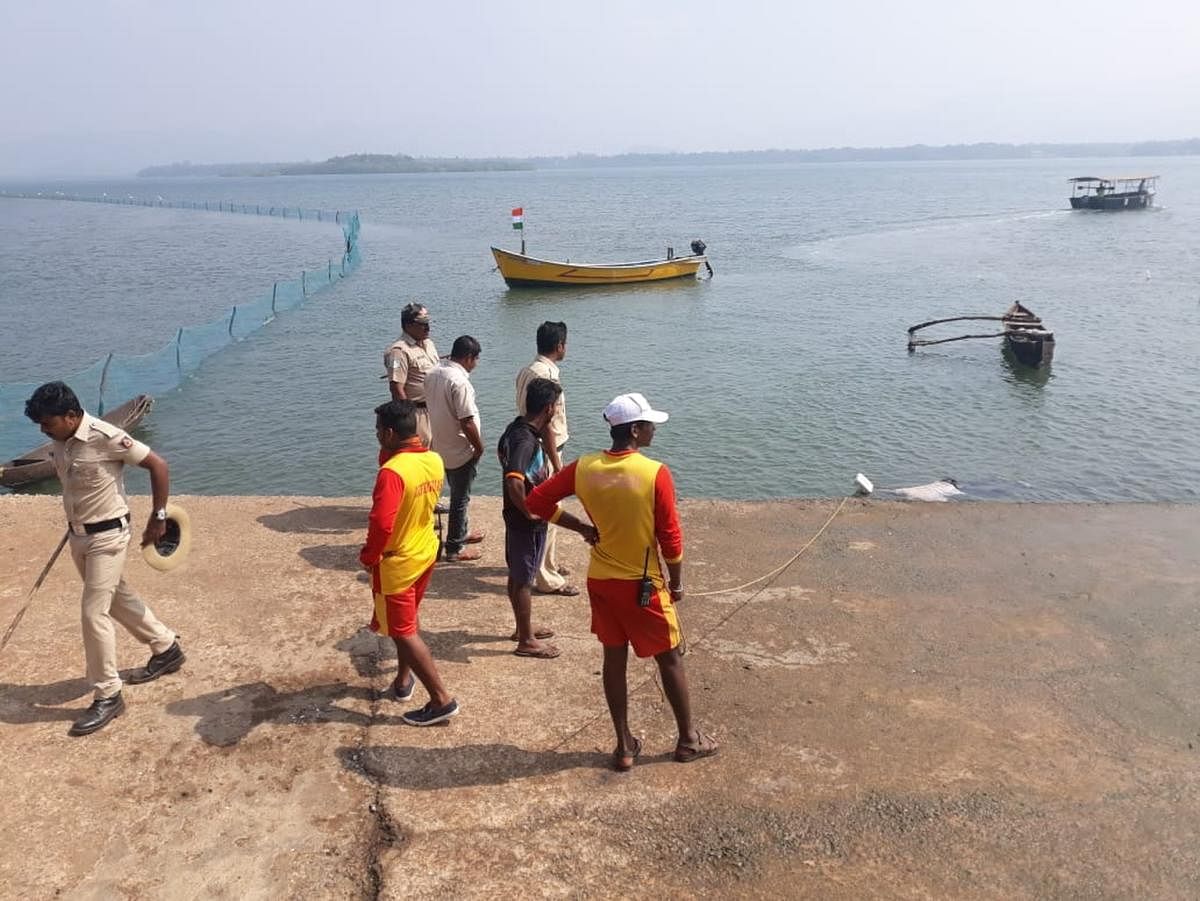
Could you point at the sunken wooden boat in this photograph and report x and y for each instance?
(1024, 334)
(521, 271)
(36, 465)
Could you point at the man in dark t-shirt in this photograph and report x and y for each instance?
(525, 464)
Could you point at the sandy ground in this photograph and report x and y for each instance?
(967, 700)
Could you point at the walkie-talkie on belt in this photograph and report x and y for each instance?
(645, 587)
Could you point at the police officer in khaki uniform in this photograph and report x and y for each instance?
(90, 457)
(408, 360)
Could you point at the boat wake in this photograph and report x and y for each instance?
(807, 249)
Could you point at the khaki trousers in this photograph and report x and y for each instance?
(100, 559)
(548, 577)
(424, 429)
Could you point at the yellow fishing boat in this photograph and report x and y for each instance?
(520, 270)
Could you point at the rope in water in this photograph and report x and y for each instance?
(765, 579)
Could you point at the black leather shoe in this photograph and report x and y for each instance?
(158, 665)
(99, 715)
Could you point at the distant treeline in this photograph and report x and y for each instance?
(367, 163)
(354, 164)
(913, 152)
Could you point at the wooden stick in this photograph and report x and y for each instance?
(954, 319)
(12, 627)
(924, 342)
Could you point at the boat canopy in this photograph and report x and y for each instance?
(1111, 180)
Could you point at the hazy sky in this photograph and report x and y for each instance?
(100, 87)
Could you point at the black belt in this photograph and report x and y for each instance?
(105, 525)
(419, 403)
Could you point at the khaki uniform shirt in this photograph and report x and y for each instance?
(544, 368)
(407, 361)
(91, 467)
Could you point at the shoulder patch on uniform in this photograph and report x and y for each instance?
(126, 442)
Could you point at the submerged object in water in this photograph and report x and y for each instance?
(937, 492)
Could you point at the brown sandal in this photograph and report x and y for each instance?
(546, 652)
(704, 747)
(623, 761)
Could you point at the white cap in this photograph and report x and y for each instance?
(632, 408)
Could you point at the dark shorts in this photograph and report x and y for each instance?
(523, 549)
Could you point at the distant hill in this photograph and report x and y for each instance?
(365, 163)
(368, 163)
(354, 164)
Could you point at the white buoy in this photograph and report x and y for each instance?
(863, 483)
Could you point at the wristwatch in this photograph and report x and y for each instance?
(161, 515)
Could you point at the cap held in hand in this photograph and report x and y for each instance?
(170, 551)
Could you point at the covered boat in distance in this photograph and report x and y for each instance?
(1130, 192)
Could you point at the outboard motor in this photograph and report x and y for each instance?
(698, 248)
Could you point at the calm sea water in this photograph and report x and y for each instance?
(784, 375)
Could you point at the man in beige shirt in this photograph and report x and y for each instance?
(90, 456)
(552, 348)
(408, 360)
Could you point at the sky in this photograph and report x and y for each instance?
(106, 87)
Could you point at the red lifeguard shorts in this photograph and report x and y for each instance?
(617, 618)
(396, 614)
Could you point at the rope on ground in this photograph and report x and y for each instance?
(765, 579)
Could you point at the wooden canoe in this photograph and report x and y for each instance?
(37, 465)
(519, 270)
(1025, 337)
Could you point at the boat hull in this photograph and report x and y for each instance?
(1029, 342)
(1031, 348)
(527, 272)
(1113, 202)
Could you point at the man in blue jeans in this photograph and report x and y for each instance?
(457, 439)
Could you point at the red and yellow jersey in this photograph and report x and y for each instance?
(631, 500)
(401, 542)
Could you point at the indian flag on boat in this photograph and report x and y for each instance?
(518, 215)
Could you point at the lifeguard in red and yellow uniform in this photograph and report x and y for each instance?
(400, 552)
(631, 500)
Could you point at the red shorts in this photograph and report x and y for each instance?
(617, 618)
(396, 614)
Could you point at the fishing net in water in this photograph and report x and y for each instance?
(112, 379)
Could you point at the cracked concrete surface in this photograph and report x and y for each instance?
(972, 700)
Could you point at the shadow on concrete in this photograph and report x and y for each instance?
(333, 519)
(469, 580)
(427, 769)
(342, 557)
(368, 650)
(21, 704)
(450, 580)
(225, 717)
